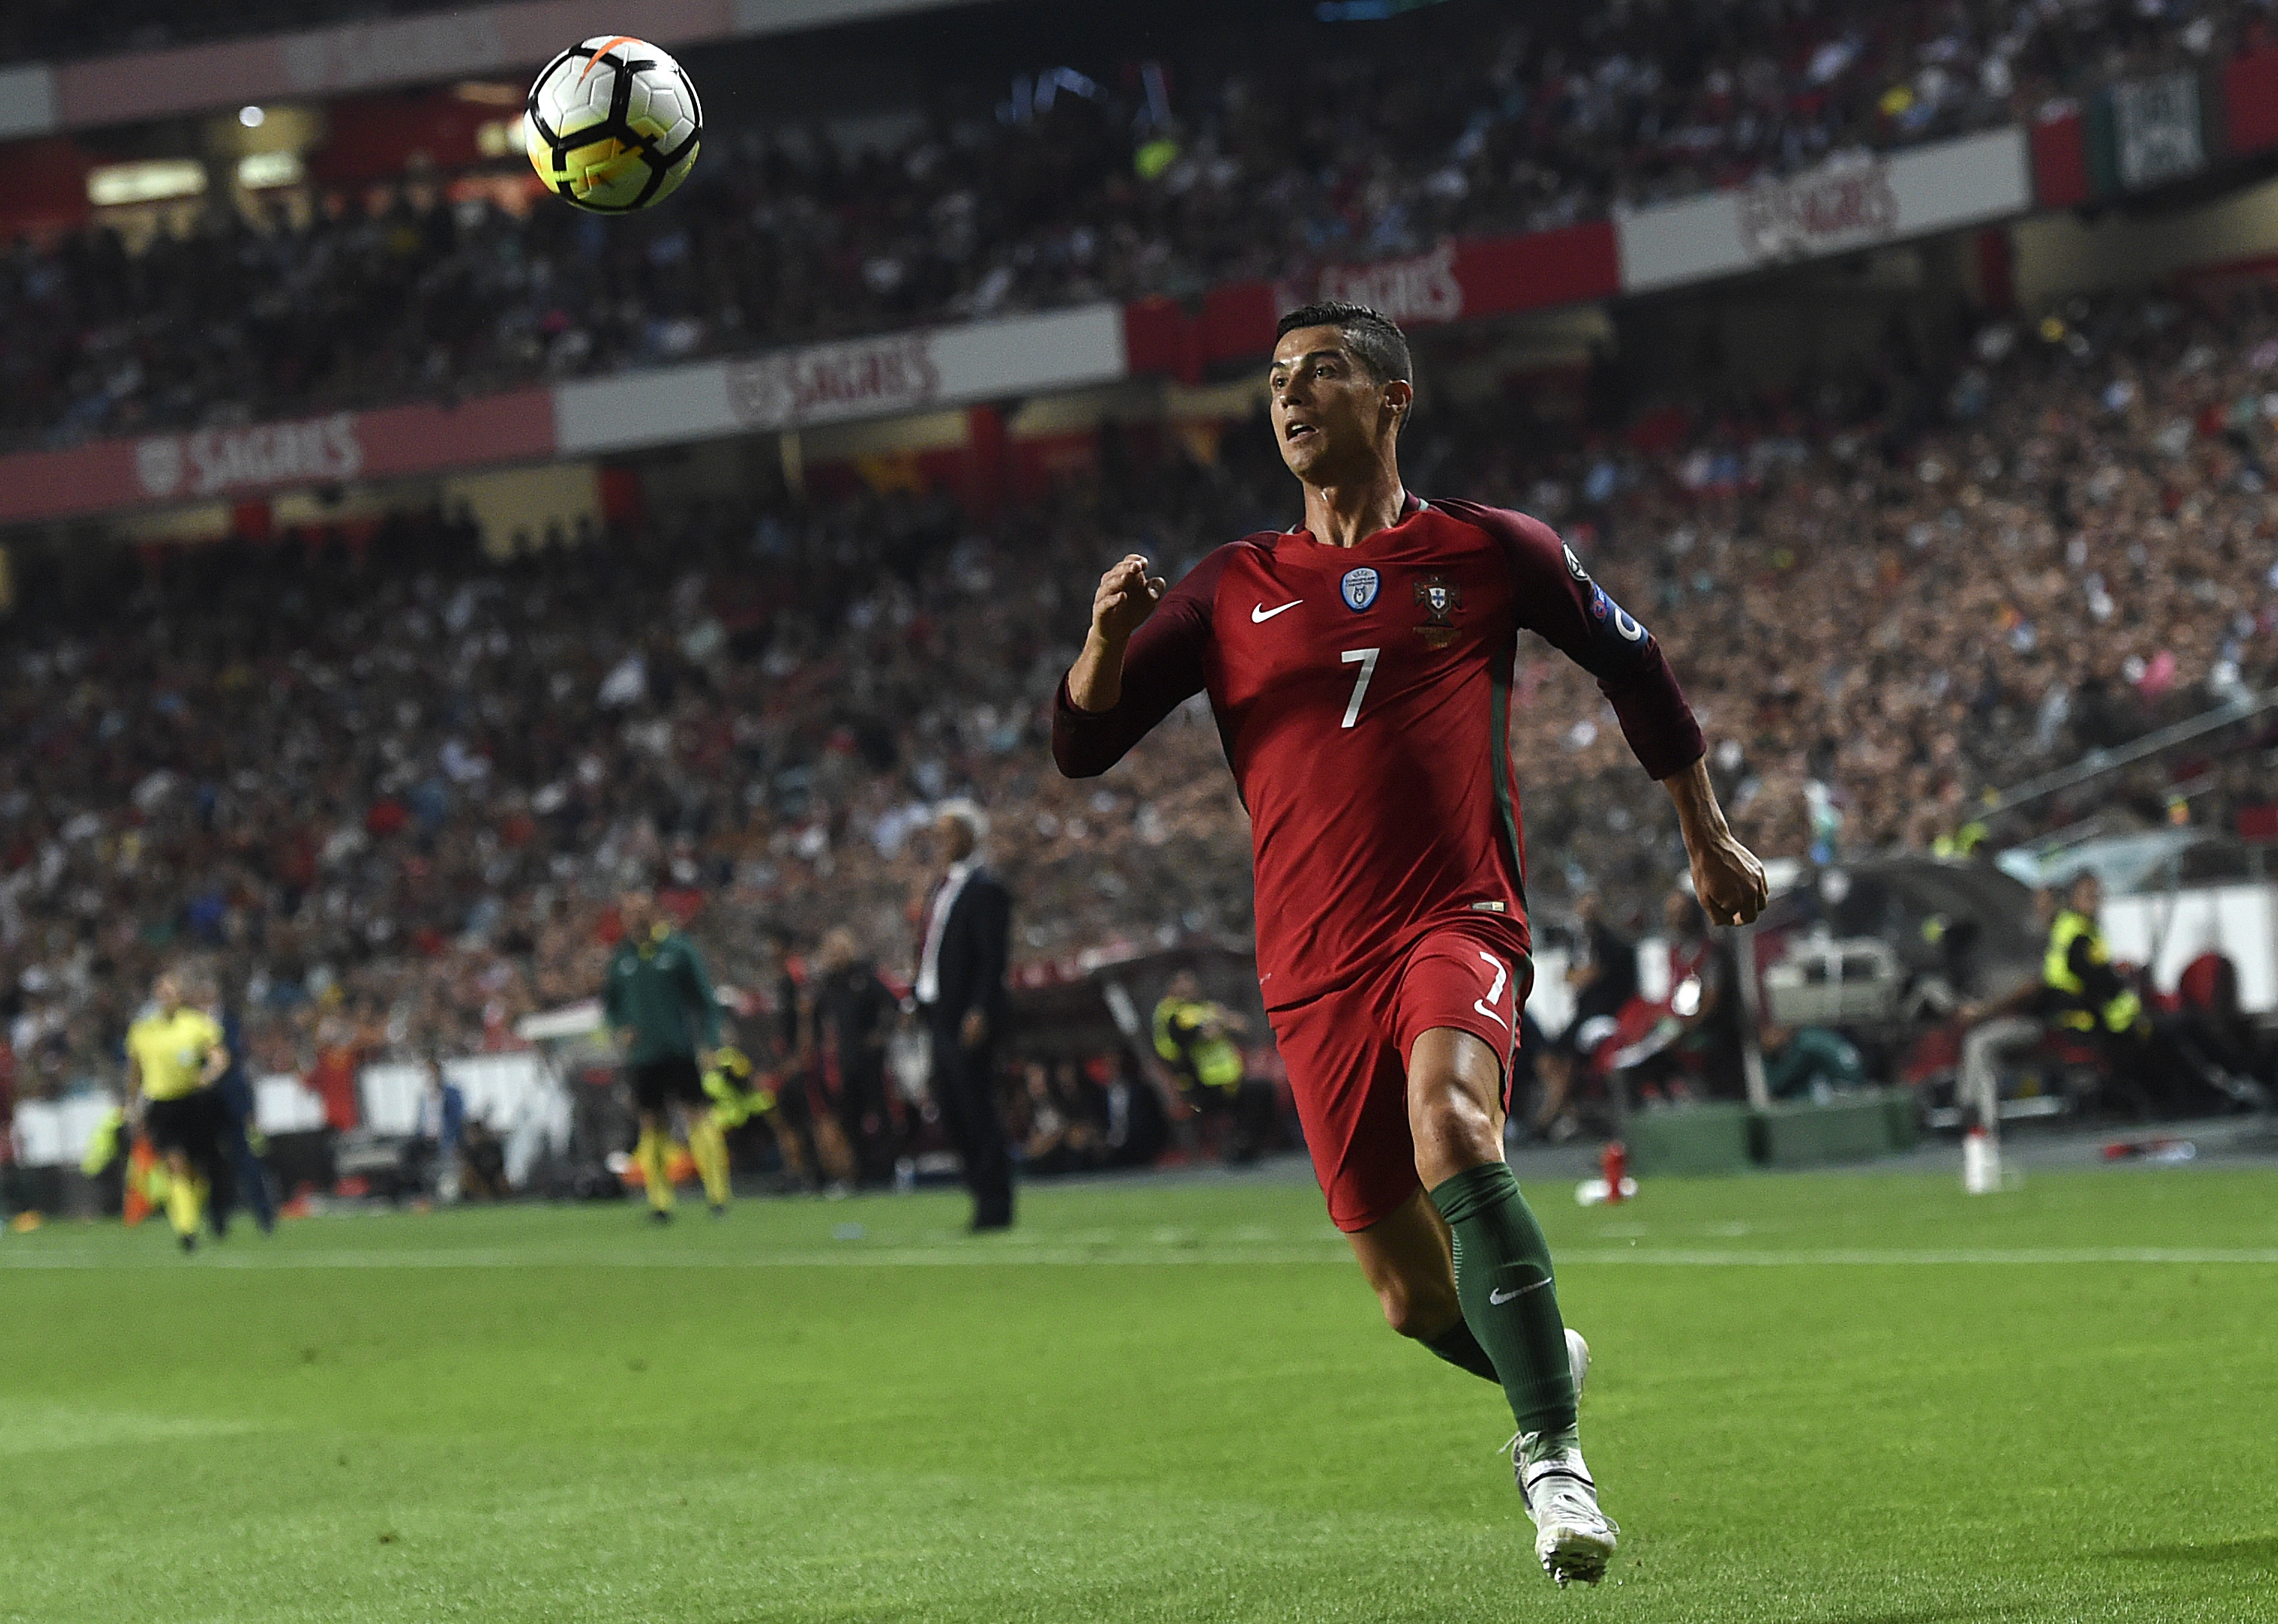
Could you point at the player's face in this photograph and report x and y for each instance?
(1330, 416)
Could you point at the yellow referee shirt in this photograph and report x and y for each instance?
(172, 1050)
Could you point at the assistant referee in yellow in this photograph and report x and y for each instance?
(174, 1055)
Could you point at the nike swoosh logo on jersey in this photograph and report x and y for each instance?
(1262, 613)
(1500, 1297)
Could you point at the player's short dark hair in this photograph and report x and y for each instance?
(1378, 344)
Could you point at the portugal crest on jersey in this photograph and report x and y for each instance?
(1359, 587)
(1439, 597)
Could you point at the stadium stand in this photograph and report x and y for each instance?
(1161, 182)
(393, 782)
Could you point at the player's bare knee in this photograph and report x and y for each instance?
(1452, 1132)
(1416, 1308)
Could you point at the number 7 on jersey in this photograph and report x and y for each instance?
(1366, 658)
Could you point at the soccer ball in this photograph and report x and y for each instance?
(612, 125)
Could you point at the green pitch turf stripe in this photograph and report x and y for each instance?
(1937, 1256)
(997, 1256)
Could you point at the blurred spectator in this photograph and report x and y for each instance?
(482, 1164)
(1603, 979)
(2009, 1025)
(1604, 976)
(1698, 1053)
(1808, 1062)
(2218, 1038)
(852, 1012)
(239, 1135)
(434, 1149)
(1060, 1131)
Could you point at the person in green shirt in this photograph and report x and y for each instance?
(658, 1001)
(1804, 1060)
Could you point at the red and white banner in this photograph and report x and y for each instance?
(209, 465)
(1477, 276)
(1421, 288)
(1466, 277)
(897, 373)
(1841, 207)
(933, 368)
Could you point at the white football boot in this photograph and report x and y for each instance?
(1573, 1539)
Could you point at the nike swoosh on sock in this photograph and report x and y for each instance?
(1498, 1298)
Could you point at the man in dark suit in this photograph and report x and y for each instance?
(960, 993)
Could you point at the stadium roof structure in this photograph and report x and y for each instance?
(2148, 860)
(39, 98)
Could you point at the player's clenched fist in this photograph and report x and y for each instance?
(1126, 595)
(1729, 880)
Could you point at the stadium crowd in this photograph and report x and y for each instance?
(1078, 187)
(392, 785)
(1793, 30)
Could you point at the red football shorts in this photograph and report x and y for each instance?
(1347, 1052)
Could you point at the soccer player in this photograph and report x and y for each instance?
(659, 1001)
(174, 1055)
(1360, 670)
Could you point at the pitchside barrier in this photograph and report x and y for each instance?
(1690, 1140)
(515, 1093)
(1853, 1129)
(1714, 1139)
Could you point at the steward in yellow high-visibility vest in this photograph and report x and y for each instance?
(2077, 966)
(1194, 1038)
(1190, 1038)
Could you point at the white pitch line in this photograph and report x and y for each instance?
(991, 1254)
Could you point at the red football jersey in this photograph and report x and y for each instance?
(1363, 696)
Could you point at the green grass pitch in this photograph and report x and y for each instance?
(1855, 1397)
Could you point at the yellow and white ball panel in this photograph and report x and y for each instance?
(613, 125)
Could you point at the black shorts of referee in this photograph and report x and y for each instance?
(658, 1083)
(190, 1123)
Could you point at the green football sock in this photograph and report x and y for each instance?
(1461, 1349)
(1510, 1301)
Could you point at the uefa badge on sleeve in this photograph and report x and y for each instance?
(1358, 588)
